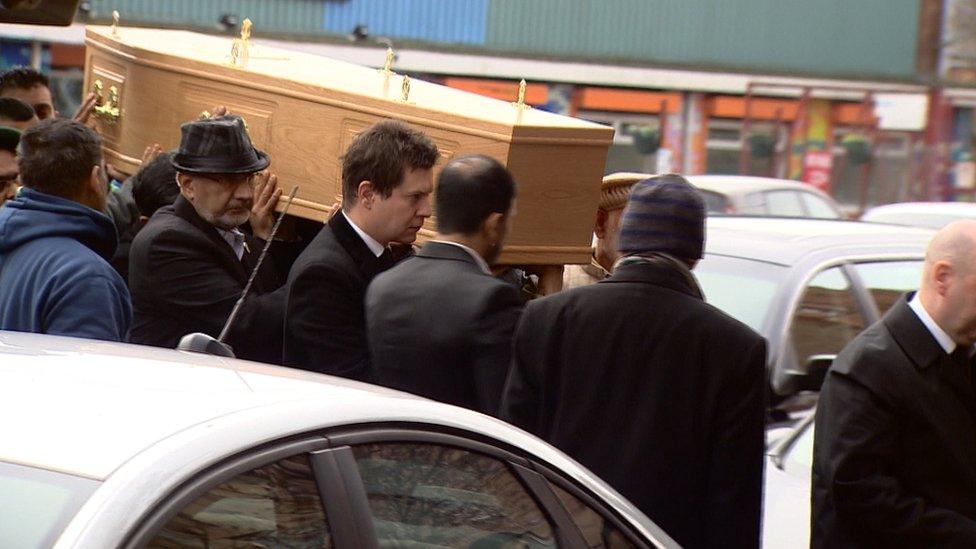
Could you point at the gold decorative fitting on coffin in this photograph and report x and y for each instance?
(110, 110)
(405, 90)
(240, 50)
(519, 103)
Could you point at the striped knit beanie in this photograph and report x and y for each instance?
(663, 214)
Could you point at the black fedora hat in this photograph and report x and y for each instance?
(218, 145)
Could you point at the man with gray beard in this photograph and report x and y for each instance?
(189, 265)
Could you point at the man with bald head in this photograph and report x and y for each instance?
(895, 443)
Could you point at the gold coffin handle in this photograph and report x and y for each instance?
(109, 111)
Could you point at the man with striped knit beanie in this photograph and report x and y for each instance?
(648, 386)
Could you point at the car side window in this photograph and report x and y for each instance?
(276, 505)
(888, 280)
(598, 532)
(827, 316)
(784, 203)
(818, 207)
(428, 495)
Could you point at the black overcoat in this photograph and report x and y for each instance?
(184, 278)
(655, 391)
(442, 328)
(895, 443)
(325, 322)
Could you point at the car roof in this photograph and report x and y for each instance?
(86, 407)
(786, 241)
(957, 208)
(744, 184)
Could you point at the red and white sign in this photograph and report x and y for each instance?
(816, 169)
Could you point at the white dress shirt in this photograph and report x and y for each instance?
(235, 238)
(474, 255)
(946, 342)
(371, 242)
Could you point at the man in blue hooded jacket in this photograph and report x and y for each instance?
(55, 243)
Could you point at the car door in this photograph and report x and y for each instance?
(382, 487)
(827, 315)
(432, 489)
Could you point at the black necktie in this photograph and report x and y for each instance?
(385, 260)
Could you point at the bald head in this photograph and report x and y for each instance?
(955, 243)
(949, 280)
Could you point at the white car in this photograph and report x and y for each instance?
(112, 445)
(786, 491)
(933, 215)
(749, 195)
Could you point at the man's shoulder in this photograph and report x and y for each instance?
(68, 259)
(324, 252)
(870, 352)
(166, 224)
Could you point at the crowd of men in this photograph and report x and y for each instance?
(628, 370)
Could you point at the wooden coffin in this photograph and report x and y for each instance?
(305, 109)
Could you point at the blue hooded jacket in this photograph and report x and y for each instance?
(54, 272)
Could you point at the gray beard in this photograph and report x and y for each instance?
(226, 221)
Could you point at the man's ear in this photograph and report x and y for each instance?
(366, 193)
(941, 276)
(97, 185)
(600, 228)
(185, 183)
(493, 227)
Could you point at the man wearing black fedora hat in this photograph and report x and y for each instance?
(190, 263)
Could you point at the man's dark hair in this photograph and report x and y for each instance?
(154, 185)
(22, 78)
(15, 109)
(469, 189)
(56, 156)
(382, 155)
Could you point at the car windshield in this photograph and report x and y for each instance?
(36, 504)
(743, 288)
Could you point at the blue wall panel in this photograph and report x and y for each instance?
(450, 21)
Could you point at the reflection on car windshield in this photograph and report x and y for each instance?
(36, 504)
(741, 287)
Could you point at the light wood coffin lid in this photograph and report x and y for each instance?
(303, 110)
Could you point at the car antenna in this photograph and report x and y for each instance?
(203, 343)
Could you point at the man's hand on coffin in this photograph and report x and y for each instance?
(266, 196)
(85, 109)
(151, 152)
(218, 111)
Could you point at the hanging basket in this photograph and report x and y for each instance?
(858, 149)
(761, 145)
(647, 139)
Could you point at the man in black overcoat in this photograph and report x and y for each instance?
(189, 265)
(439, 324)
(651, 388)
(387, 180)
(895, 443)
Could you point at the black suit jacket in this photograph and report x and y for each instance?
(442, 328)
(325, 326)
(895, 443)
(184, 278)
(655, 391)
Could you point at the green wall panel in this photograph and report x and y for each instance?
(279, 16)
(857, 37)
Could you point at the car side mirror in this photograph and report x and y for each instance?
(815, 372)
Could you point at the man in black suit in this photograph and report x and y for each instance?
(894, 460)
(387, 180)
(189, 265)
(651, 388)
(439, 324)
